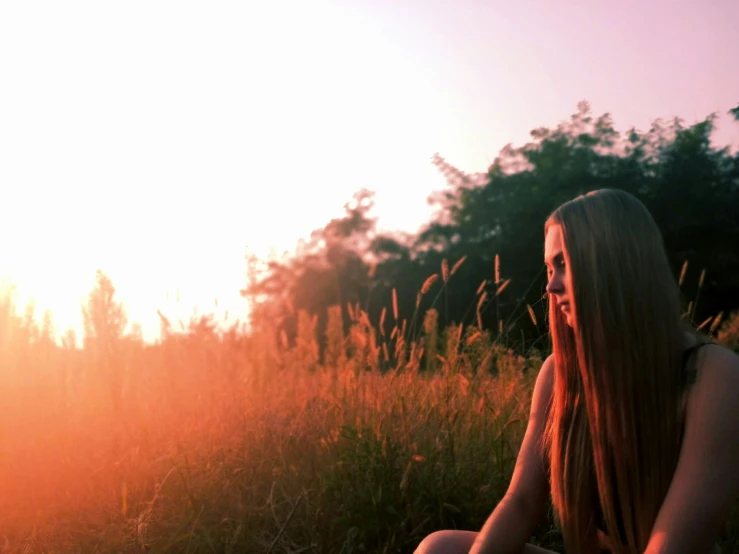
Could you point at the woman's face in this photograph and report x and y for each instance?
(558, 275)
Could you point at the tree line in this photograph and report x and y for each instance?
(488, 228)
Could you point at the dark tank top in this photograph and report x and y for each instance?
(691, 371)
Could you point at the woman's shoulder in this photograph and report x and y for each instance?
(695, 347)
(545, 379)
(712, 410)
(542, 395)
(701, 355)
(706, 483)
(717, 369)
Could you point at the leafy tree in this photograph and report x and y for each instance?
(103, 316)
(330, 269)
(690, 187)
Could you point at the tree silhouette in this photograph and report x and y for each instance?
(690, 187)
(104, 320)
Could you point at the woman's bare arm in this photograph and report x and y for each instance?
(524, 504)
(706, 480)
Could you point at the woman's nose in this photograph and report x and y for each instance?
(554, 285)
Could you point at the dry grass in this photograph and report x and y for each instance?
(223, 443)
(218, 443)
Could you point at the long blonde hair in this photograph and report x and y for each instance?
(615, 425)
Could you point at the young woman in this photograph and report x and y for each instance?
(634, 423)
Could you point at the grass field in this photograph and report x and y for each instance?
(217, 442)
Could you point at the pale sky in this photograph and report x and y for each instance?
(159, 141)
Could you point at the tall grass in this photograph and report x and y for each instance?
(222, 442)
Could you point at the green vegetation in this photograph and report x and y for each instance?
(382, 389)
(225, 442)
(689, 186)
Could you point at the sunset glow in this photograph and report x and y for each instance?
(162, 141)
(151, 150)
